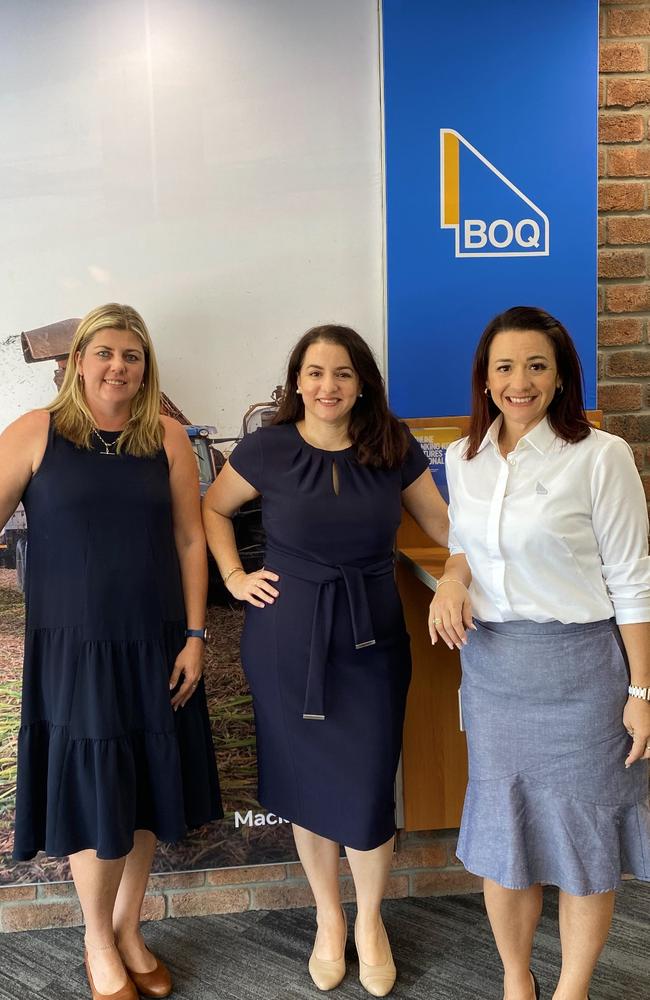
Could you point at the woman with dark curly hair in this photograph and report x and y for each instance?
(325, 647)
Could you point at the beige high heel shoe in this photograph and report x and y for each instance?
(327, 974)
(377, 980)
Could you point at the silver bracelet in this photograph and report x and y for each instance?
(635, 691)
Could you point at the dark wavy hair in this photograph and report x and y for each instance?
(566, 412)
(378, 437)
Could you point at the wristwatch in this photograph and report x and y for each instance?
(196, 633)
(635, 691)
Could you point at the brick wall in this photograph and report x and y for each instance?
(624, 225)
(425, 864)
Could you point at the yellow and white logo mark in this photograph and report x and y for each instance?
(491, 217)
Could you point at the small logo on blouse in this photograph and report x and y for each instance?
(541, 490)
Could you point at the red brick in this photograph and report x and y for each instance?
(623, 57)
(620, 331)
(638, 450)
(620, 128)
(601, 299)
(629, 229)
(602, 163)
(175, 880)
(295, 870)
(628, 298)
(621, 23)
(13, 892)
(426, 856)
(625, 92)
(153, 907)
(621, 196)
(203, 901)
(261, 873)
(39, 916)
(630, 363)
(58, 890)
(625, 3)
(284, 895)
(397, 887)
(632, 162)
(634, 428)
(602, 359)
(601, 92)
(619, 397)
(621, 263)
(444, 883)
(602, 232)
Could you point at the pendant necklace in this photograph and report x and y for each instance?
(107, 444)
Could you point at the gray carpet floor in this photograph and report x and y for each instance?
(442, 947)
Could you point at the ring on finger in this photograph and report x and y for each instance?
(437, 621)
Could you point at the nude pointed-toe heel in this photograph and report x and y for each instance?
(378, 980)
(327, 974)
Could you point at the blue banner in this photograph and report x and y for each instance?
(491, 183)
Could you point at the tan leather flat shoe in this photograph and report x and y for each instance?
(327, 974)
(126, 992)
(157, 983)
(378, 980)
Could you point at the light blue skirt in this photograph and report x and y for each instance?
(549, 799)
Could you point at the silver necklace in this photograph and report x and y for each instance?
(107, 444)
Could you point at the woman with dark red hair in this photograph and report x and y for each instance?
(549, 515)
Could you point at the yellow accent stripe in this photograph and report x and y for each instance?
(452, 200)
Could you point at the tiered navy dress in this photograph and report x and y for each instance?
(329, 662)
(101, 753)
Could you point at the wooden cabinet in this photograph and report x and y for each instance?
(434, 755)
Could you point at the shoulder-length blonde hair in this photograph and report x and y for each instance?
(143, 434)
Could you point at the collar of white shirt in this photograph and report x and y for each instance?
(541, 437)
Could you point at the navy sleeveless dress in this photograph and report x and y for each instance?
(101, 753)
(328, 663)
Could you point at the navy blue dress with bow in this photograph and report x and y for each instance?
(329, 662)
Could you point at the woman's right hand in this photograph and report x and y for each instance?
(254, 587)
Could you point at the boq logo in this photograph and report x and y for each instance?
(491, 217)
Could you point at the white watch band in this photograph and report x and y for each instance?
(639, 692)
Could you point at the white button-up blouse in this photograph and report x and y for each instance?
(554, 531)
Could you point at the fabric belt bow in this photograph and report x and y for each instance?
(326, 577)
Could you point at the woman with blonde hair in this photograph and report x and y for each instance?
(114, 747)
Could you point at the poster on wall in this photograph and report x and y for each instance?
(184, 175)
(491, 183)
